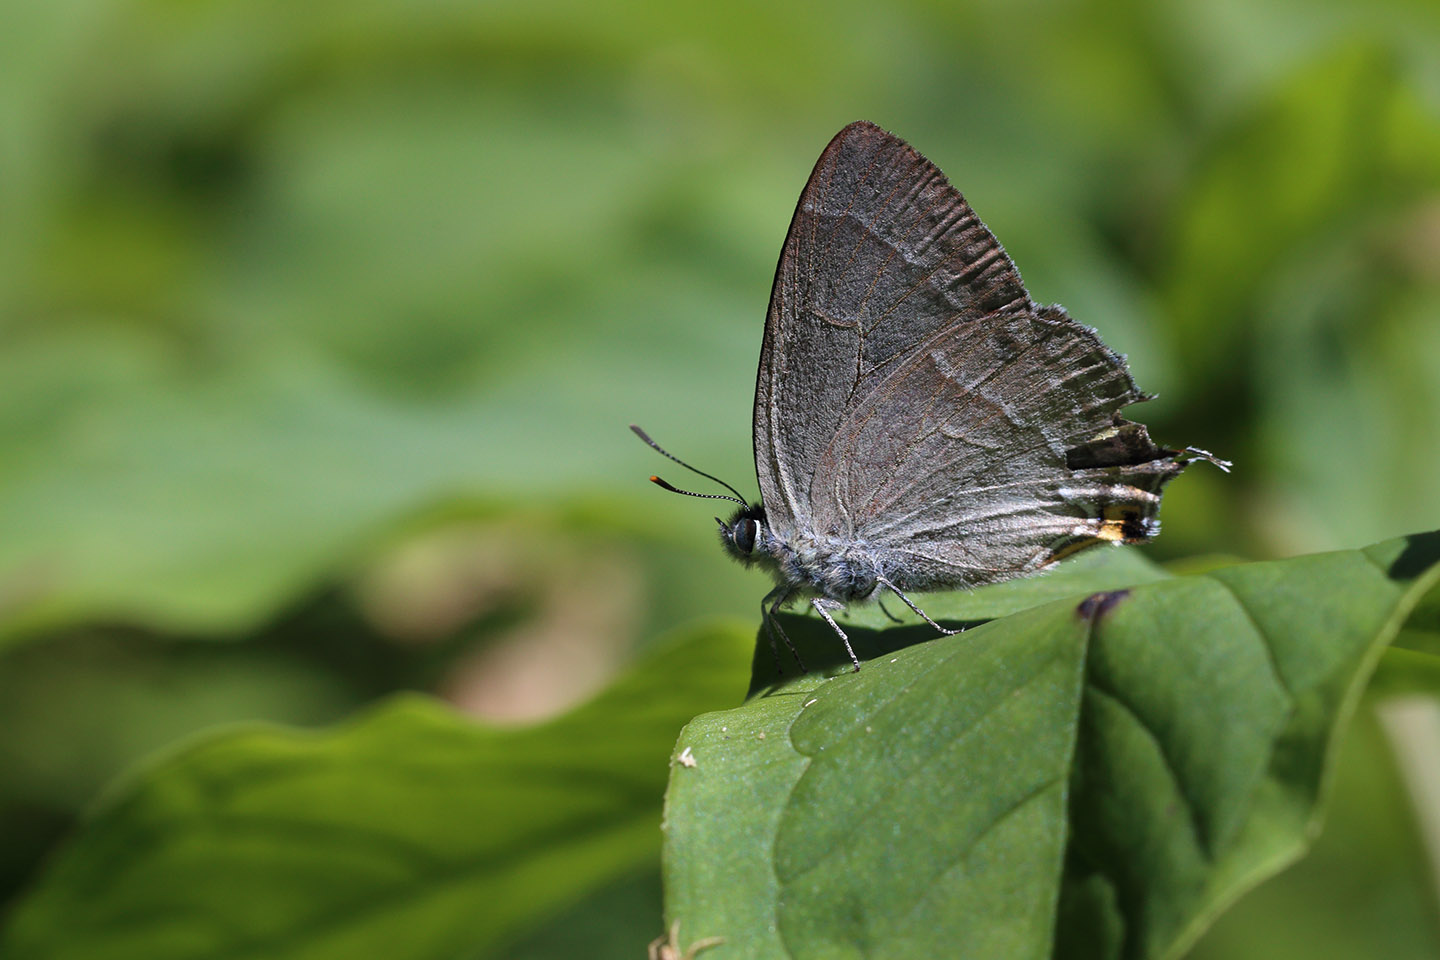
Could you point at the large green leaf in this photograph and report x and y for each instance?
(1094, 777)
(1371, 856)
(410, 832)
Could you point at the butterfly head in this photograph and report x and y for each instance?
(745, 531)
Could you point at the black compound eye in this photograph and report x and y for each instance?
(745, 533)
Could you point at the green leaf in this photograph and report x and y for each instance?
(1371, 857)
(409, 832)
(1094, 777)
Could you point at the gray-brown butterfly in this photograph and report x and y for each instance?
(920, 423)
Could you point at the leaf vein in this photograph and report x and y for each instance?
(1270, 657)
(1202, 840)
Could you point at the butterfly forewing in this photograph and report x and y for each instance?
(882, 252)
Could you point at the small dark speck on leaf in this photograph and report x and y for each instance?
(1097, 605)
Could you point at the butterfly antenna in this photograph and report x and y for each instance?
(663, 485)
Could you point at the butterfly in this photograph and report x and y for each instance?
(920, 423)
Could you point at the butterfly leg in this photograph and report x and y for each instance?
(772, 626)
(823, 606)
(918, 612)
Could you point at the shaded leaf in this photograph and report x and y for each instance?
(1090, 572)
(1371, 857)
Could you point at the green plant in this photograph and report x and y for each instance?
(1096, 768)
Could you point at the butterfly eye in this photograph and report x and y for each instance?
(745, 532)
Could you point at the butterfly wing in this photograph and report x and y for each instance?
(882, 252)
(994, 448)
(912, 397)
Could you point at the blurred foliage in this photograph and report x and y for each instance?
(379, 837)
(320, 324)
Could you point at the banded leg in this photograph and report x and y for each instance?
(920, 613)
(767, 616)
(823, 606)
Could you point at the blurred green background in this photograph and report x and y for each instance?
(322, 324)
